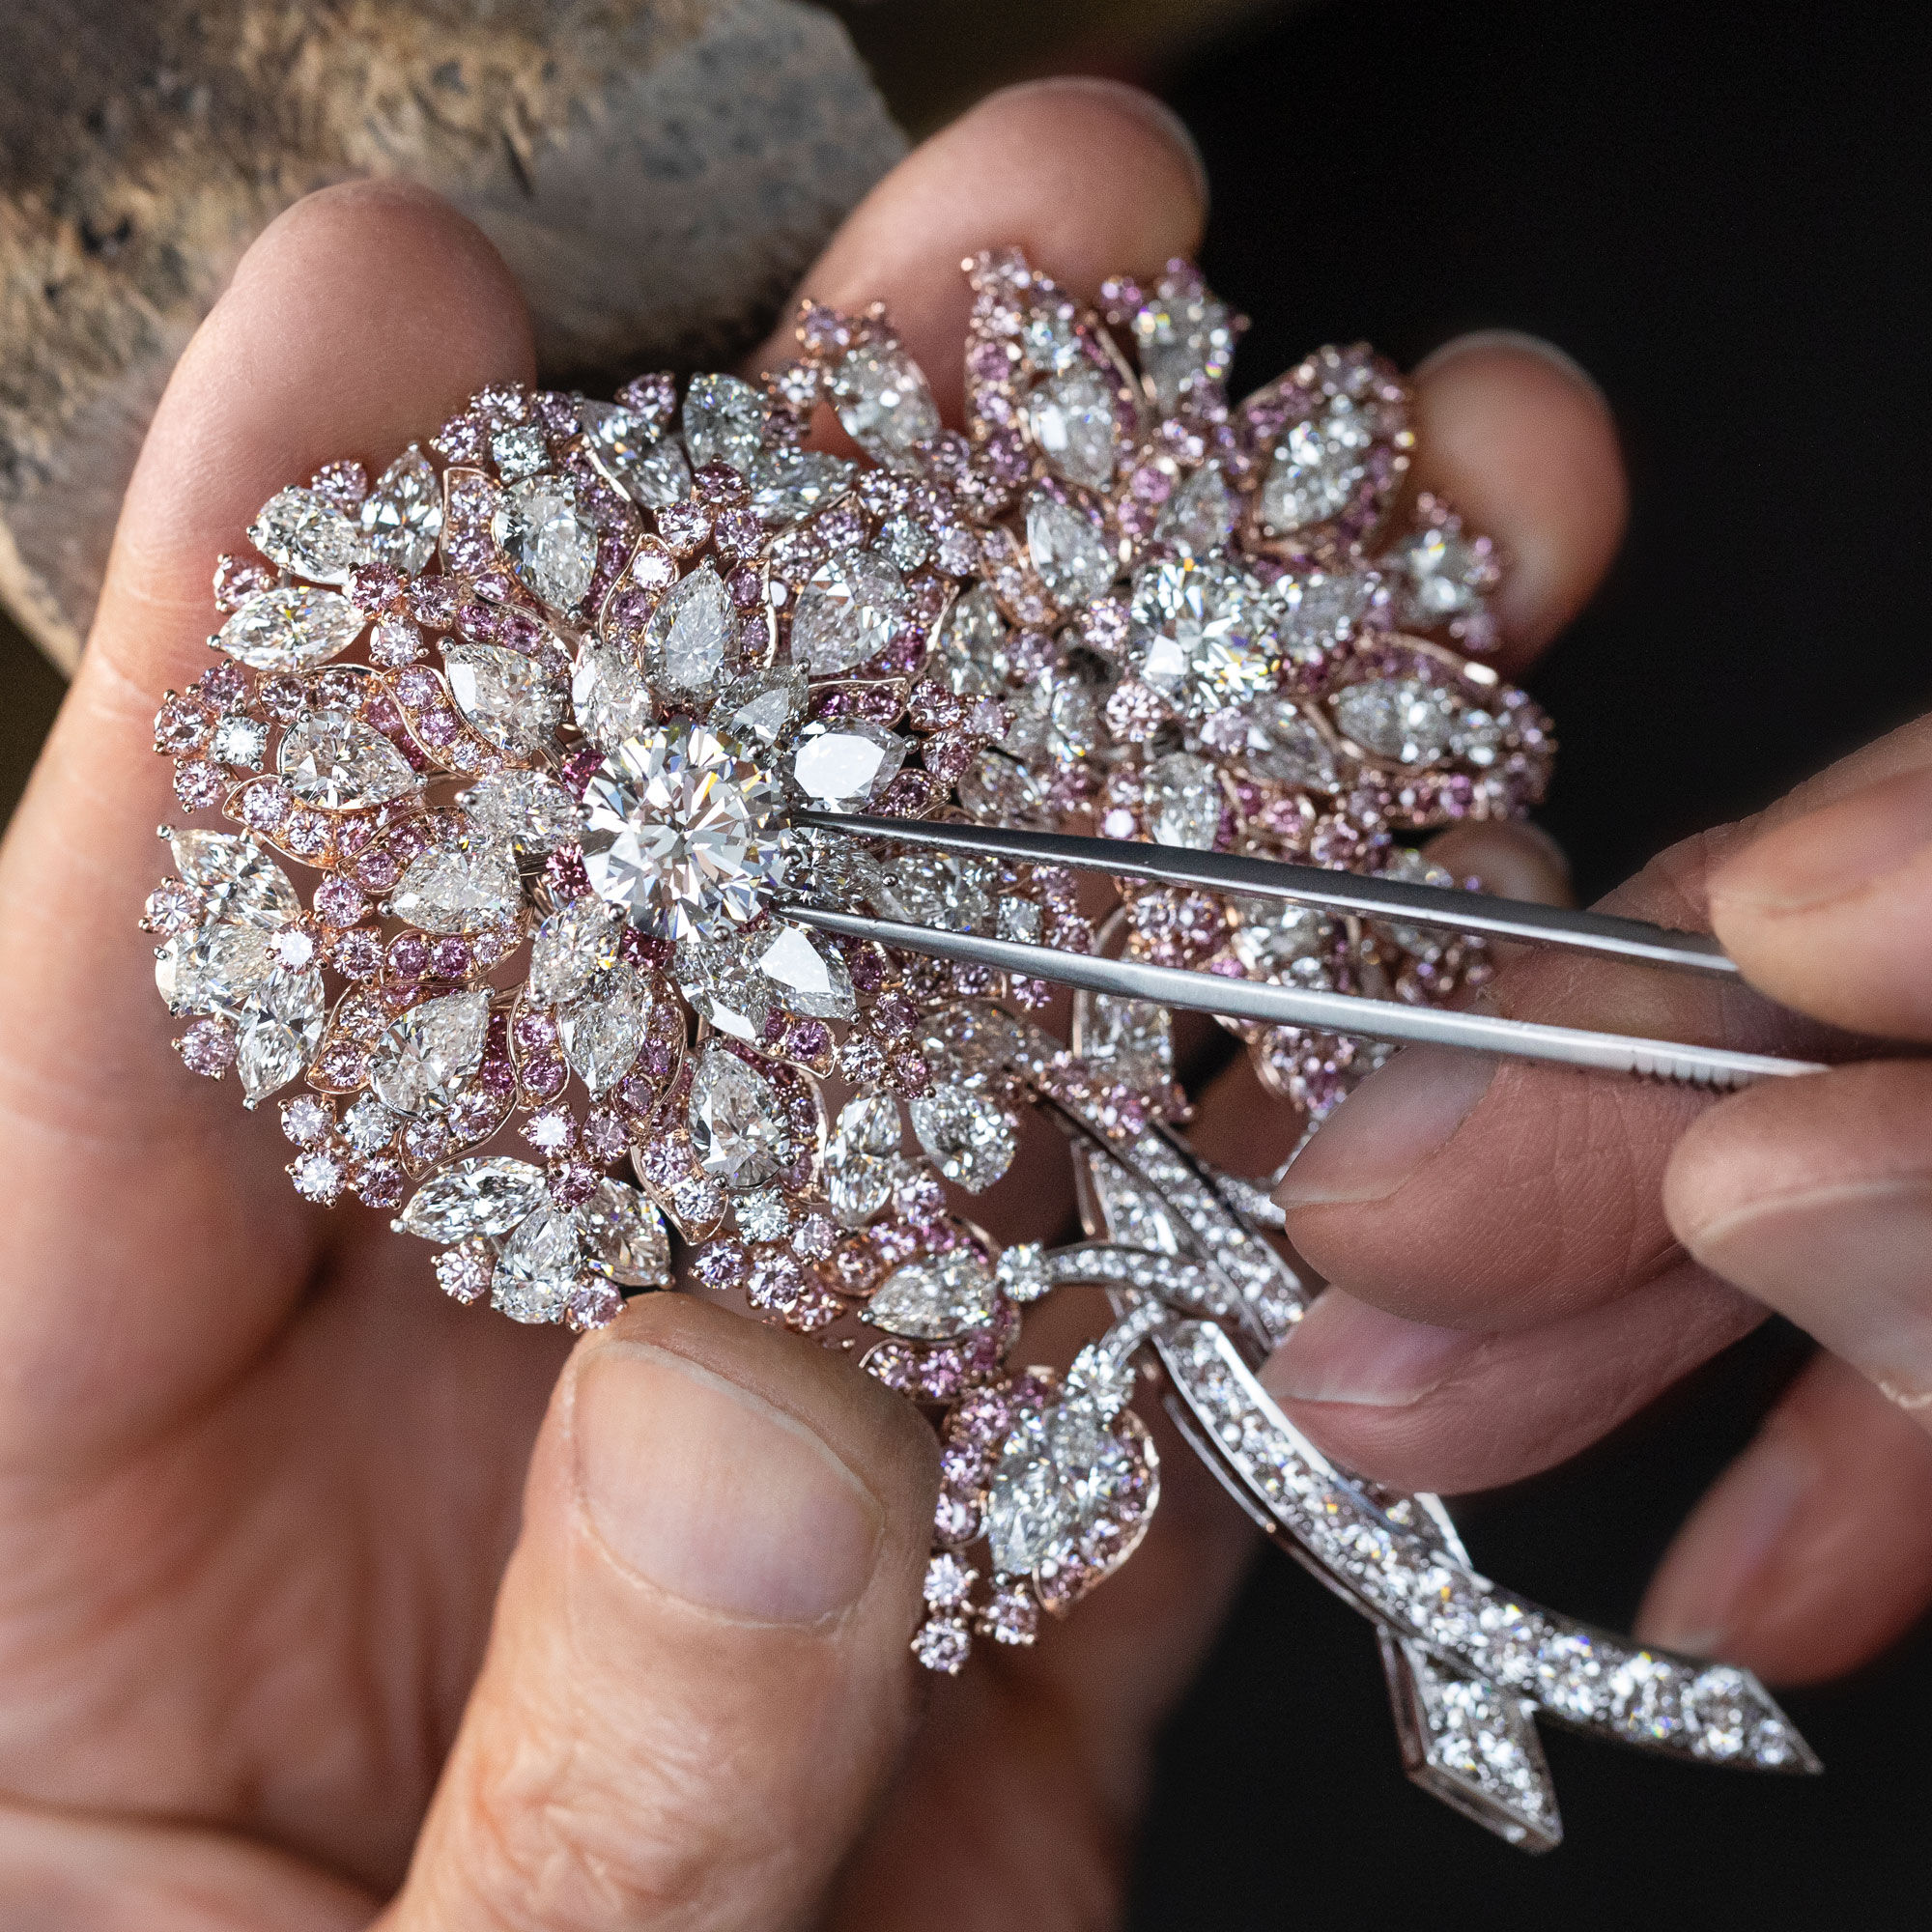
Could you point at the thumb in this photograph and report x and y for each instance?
(697, 1677)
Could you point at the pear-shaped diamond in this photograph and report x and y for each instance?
(690, 635)
(460, 890)
(725, 990)
(290, 628)
(334, 760)
(841, 763)
(1404, 719)
(847, 611)
(973, 644)
(1071, 417)
(724, 422)
(550, 543)
(970, 1139)
(307, 534)
(1199, 516)
(280, 1029)
(1184, 801)
(628, 450)
(624, 1236)
(608, 697)
(1060, 1472)
(416, 1064)
(929, 1301)
(810, 978)
(789, 484)
(537, 1269)
(601, 1030)
(1072, 555)
(483, 1195)
(573, 949)
(1319, 465)
(510, 699)
(1133, 1040)
(882, 399)
(402, 516)
(738, 1125)
(1277, 742)
(760, 707)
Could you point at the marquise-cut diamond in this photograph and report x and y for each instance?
(510, 699)
(724, 422)
(1185, 337)
(609, 698)
(290, 628)
(882, 399)
(573, 948)
(550, 544)
(525, 811)
(972, 645)
(235, 878)
(483, 1195)
(810, 978)
(789, 484)
(402, 516)
(339, 763)
(847, 612)
(1199, 516)
(1071, 417)
(680, 832)
(725, 990)
(862, 1158)
(1276, 741)
(1319, 465)
(738, 1126)
(1072, 555)
(1403, 718)
(929, 1301)
(1288, 942)
(691, 634)
(942, 889)
(601, 1030)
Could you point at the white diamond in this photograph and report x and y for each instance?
(624, 1236)
(520, 451)
(235, 877)
(1073, 557)
(1285, 943)
(369, 1126)
(306, 534)
(1205, 634)
(221, 967)
(1317, 611)
(1058, 1474)
(1401, 719)
(680, 831)
(724, 422)
(1071, 417)
(572, 947)
(971, 1140)
(1445, 576)
(461, 891)
(1184, 801)
(738, 1127)
(690, 635)
(939, 889)
(1319, 465)
(601, 1031)
(1276, 741)
(281, 1026)
(847, 612)
(1185, 337)
(339, 763)
(483, 1195)
(550, 545)
(416, 1064)
(525, 811)
(511, 699)
(762, 706)
(883, 401)
(402, 516)
(609, 698)
(1132, 1039)
(788, 484)
(722, 986)
(810, 978)
(929, 1301)
(290, 628)
(841, 763)
(998, 790)
(1200, 515)
(860, 1159)
(1415, 868)
(972, 645)
(537, 1269)
(624, 447)
(239, 740)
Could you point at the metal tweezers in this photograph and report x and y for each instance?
(1445, 908)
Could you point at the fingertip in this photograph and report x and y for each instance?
(1521, 441)
(1512, 859)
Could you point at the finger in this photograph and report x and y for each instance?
(1830, 911)
(355, 322)
(1449, 1409)
(1818, 1200)
(1514, 860)
(698, 1675)
(1521, 443)
(1088, 178)
(1814, 1552)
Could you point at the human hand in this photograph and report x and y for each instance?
(1523, 1257)
(322, 1600)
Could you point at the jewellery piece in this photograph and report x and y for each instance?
(535, 717)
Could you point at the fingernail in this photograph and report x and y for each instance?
(1850, 1263)
(1391, 1123)
(1706, 1585)
(1834, 852)
(1477, 340)
(1146, 108)
(1347, 1350)
(714, 1494)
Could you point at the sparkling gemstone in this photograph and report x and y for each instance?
(1184, 801)
(969, 1137)
(942, 1644)
(609, 697)
(280, 1027)
(690, 635)
(841, 763)
(418, 1062)
(1205, 632)
(239, 740)
(572, 949)
(520, 451)
(762, 706)
(790, 484)
(624, 1236)
(525, 811)
(1276, 741)
(1071, 417)
(929, 1301)
(764, 1215)
(738, 1127)
(1199, 516)
(1415, 868)
(882, 399)
(722, 986)
(1286, 943)
(401, 517)
(483, 1195)
(290, 628)
(334, 760)
(601, 1030)
(509, 698)
(1319, 465)
(537, 1269)
(369, 1126)
(1000, 790)
(1319, 610)
(847, 612)
(235, 877)
(862, 1158)
(810, 978)
(461, 890)
(1071, 555)
(1131, 1040)
(972, 645)
(680, 832)
(1060, 1472)
(1445, 576)
(942, 889)
(550, 543)
(306, 534)
(724, 422)
(1022, 1272)
(1404, 719)
(627, 448)
(1184, 337)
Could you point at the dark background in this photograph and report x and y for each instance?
(1721, 212)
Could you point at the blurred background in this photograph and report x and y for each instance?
(1722, 214)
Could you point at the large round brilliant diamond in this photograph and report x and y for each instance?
(680, 831)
